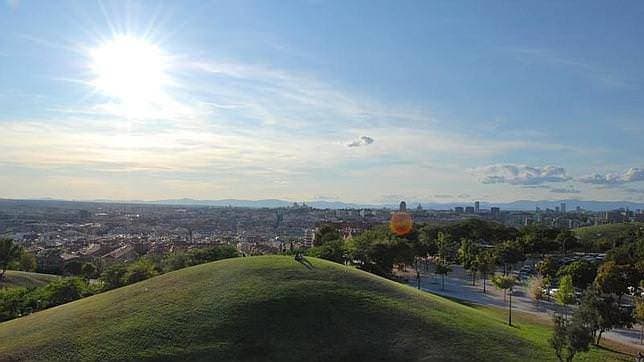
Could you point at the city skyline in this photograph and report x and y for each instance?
(321, 101)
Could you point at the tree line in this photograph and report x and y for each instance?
(85, 278)
(482, 247)
(475, 243)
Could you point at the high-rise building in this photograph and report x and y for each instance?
(309, 238)
(563, 207)
(495, 211)
(477, 207)
(403, 206)
(458, 209)
(469, 210)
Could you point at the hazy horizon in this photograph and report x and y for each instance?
(516, 205)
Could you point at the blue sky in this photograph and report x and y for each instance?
(363, 101)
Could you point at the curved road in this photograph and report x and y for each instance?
(458, 285)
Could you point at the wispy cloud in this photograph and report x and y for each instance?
(587, 69)
(237, 123)
(247, 114)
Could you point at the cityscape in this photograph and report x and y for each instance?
(59, 231)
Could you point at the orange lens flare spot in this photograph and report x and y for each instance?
(400, 223)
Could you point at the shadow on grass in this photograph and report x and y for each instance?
(462, 301)
(615, 347)
(618, 348)
(306, 263)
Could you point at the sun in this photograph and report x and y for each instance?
(129, 69)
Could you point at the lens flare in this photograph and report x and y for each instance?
(400, 223)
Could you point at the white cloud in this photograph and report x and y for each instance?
(520, 174)
(362, 141)
(633, 174)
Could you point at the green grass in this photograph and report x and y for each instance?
(606, 233)
(13, 279)
(273, 308)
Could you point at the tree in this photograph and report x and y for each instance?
(443, 242)
(639, 316)
(377, 250)
(467, 254)
(175, 261)
(538, 239)
(589, 310)
(569, 338)
(27, 261)
(139, 270)
(509, 253)
(73, 267)
(333, 250)
(566, 293)
(205, 255)
(474, 229)
(582, 272)
(426, 244)
(613, 316)
(506, 283)
(62, 291)
(612, 279)
(486, 265)
(536, 286)
(326, 233)
(601, 314)
(112, 276)
(442, 269)
(180, 260)
(548, 267)
(88, 271)
(8, 253)
(567, 240)
(12, 302)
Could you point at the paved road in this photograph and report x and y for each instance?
(458, 284)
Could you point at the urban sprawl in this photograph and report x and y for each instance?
(57, 232)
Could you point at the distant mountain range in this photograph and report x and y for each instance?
(329, 204)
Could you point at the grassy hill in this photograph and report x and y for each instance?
(272, 308)
(13, 278)
(606, 234)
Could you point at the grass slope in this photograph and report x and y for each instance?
(272, 308)
(606, 233)
(13, 279)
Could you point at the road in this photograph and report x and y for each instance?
(458, 284)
